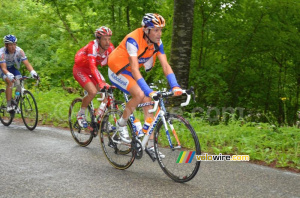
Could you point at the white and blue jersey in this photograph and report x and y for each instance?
(13, 61)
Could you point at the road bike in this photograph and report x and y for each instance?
(84, 136)
(23, 104)
(175, 140)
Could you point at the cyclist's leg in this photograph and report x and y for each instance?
(9, 87)
(82, 76)
(126, 83)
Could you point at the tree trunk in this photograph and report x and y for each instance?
(182, 41)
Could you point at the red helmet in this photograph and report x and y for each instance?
(102, 31)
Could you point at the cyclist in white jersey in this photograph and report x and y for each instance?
(11, 56)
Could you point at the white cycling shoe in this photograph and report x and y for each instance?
(152, 152)
(123, 132)
(9, 109)
(82, 120)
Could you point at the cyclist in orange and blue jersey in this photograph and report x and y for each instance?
(85, 69)
(139, 48)
(11, 57)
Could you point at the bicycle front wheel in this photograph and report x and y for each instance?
(118, 153)
(176, 147)
(29, 110)
(82, 136)
(5, 117)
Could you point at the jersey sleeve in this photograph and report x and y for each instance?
(92, 54)
(2, 57)
(132, 47)
(23, 56)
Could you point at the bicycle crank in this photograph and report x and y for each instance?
(137, 148)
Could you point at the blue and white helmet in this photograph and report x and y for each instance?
(10, 39)
(151, 20)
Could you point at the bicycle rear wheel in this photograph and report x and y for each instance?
(179, 162)
(5, 117)
(29, 110)
(118, 154)
(82, 136)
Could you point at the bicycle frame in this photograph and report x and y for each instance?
(160, 114)
(107, 94)
(22, 90)
(131, 117)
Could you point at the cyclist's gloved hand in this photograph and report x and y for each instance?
(153, 94)
(34, 75)
(177, 91)
(103, 84)
(10, 76)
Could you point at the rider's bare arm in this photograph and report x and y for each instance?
(4, 68)
(134, 64)
(165, 65)
(28, 65)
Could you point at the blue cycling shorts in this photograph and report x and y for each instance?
(12, 70)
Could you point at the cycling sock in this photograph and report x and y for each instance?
(81, 111)
(150, 143)
(122, 122)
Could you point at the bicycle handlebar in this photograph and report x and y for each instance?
(167, 94)
(26, 77)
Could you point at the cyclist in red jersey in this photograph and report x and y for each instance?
(139, 48)
(85, 69)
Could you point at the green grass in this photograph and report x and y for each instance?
(262, 141)
(53, 106)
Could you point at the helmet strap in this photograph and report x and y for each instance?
(156, 47)
(99, 42)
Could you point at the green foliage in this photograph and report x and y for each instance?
(262, 142)
(245, 55)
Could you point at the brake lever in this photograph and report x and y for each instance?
(37, 83)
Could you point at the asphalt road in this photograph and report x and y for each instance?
(47, 162)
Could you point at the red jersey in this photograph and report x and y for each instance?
(90, 57)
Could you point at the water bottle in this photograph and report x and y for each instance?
(147, 124)
(139, 128)
(146, 127)
(100, 111)
(17, 95)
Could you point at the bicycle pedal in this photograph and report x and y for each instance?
(153, 157)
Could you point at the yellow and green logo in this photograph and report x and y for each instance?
(185, 157)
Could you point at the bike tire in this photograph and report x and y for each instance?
(29, 110)
(82, 136)
(119, 154)
(176, 163)
(6, 118)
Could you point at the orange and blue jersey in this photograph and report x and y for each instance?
(134, 44)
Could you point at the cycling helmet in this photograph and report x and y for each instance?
(10, 39)
(151, 20)
(102, 31)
